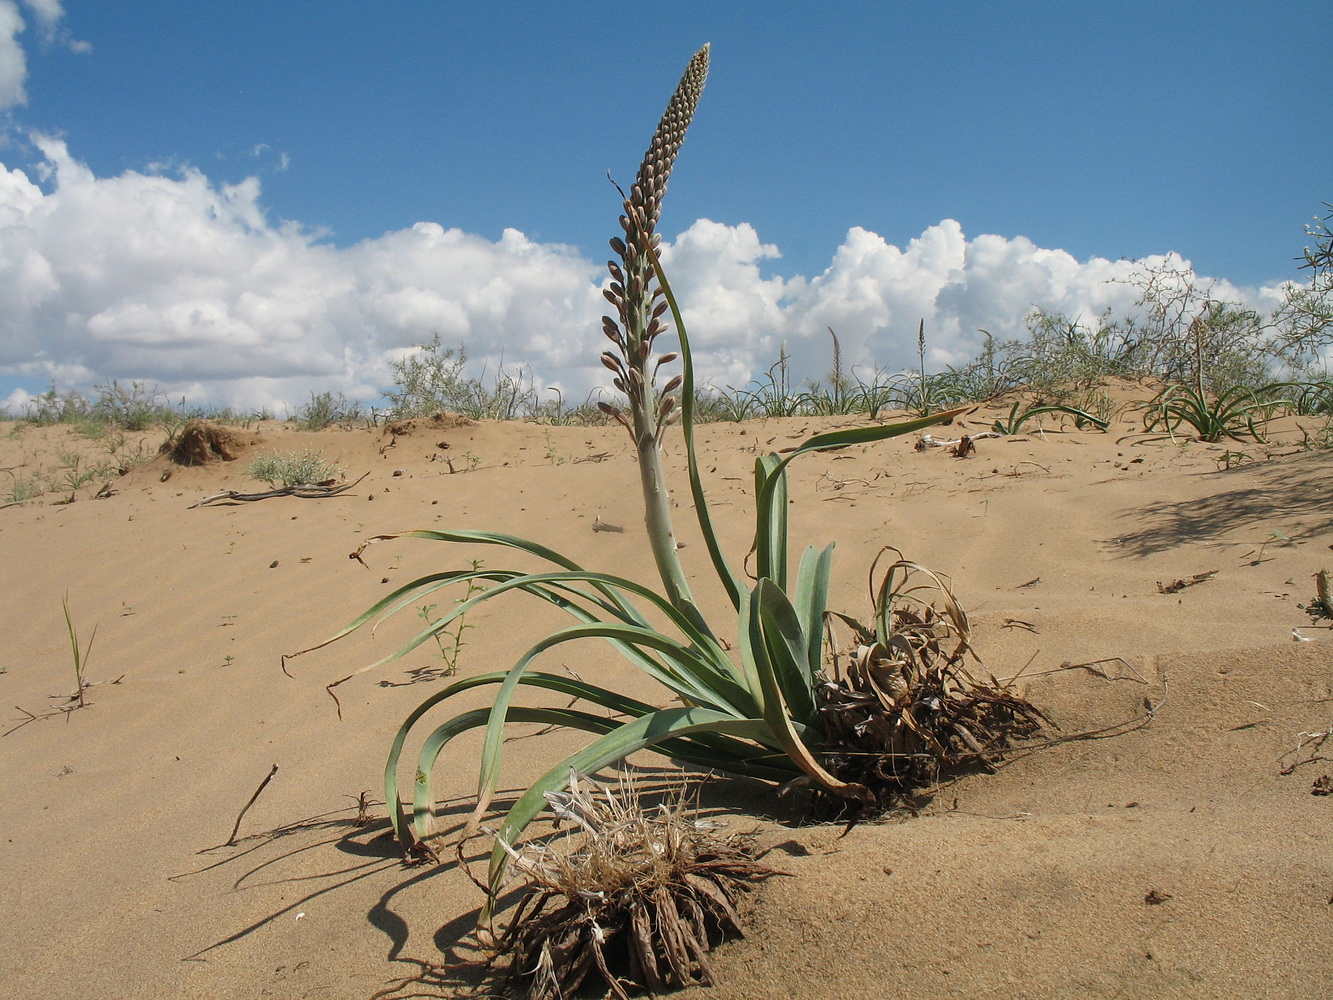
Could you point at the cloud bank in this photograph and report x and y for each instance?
(171, 278)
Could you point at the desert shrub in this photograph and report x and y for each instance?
(327, 408)
(54, 407)
(1304, 322)
(434, 377)
(133, 407)
(293, 468)
(428, 379)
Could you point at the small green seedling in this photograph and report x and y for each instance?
(1230, 459)
(80, 653)
(1273, 536)
(552, 452)
(450, 643)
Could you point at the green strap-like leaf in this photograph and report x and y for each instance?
(756, 649)
(771, 485)
(545, 585)
(770, 482)
(789, 652)
(706, 749)
(457, 536)
(679, 670)
(812, 586)
(868, 435)
(611, 700)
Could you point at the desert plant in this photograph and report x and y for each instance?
(53, 407)
(757, 715)
(1187, 336)
(876, 393)
(326, 408)
(450, 642)
(292, 468)
(433, 377)
(1304, 321)
(1013, 424)
(1233, 411)
(835, 394)
(428, 379)
(727, 404)
(78, 652)
(920, 399)
(135, 407)
(22, 489)
(1314, 398)
(770, 396)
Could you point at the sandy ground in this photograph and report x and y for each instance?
(1032, 882)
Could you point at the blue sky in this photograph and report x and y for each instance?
(830, 148)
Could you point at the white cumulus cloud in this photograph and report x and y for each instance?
(174, 279)
(13, 60)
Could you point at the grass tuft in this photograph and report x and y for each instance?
(78, 652)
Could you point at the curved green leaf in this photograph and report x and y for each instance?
(812, 585)
(788, 649)
(710, 750)
(763, 612)
(637, 734)
(691, 682)
(770, 533)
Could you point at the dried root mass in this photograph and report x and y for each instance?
(201, 442)
(906, 706)
(637, 897)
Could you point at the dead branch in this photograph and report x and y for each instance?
(305, 492)
(262, 785)
(1176, 586)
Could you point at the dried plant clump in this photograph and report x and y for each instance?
(907, 707)
(638, 896)
(201, 442)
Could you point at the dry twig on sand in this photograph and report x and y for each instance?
(1176, 586)
(311, 492)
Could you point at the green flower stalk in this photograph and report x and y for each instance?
(641, 306)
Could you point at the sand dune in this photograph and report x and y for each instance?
(1032, 882)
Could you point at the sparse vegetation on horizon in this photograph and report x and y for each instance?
(1179, 334)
